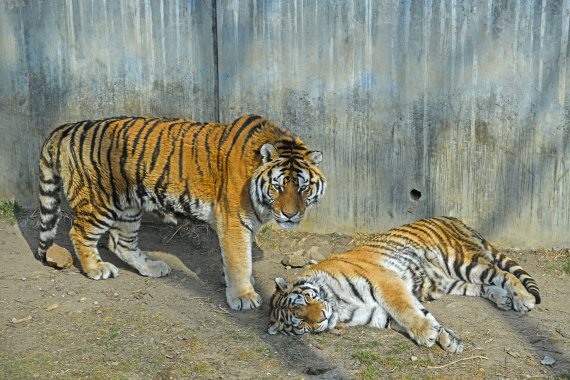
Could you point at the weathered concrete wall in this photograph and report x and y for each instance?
(63, 61)
(466, 102)
(463, 101)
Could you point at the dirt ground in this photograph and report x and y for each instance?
(179, 327)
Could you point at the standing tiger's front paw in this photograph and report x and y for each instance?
(244, 301)
(103, 271)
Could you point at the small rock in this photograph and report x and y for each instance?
(23, 279)
(315, 371)
(59, 257)
(71, 293)
(547, 360)
(314, 253)
(82, 299)
(288, 267)
(336, 331)
(414, 358)
(295, 261)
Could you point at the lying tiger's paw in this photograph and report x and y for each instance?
(246, 301)
(424, 332)
(500, 297)
(449, 341)
(523, 301)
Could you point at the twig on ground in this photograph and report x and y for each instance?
(175, 233)
(457, 361)
(16, 321)
(220, 309)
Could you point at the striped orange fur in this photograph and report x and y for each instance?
(235, 176)
(383, 282)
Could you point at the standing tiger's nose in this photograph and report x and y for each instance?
(288, 215)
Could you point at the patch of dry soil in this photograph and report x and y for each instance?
(60, 324)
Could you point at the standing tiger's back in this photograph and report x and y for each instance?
(235, 176)
(117, 160)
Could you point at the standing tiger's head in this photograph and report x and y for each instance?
(287, 181)
(298, 309)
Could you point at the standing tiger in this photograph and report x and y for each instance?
(382, 283)
(235, 176)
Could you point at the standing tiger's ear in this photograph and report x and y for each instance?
(268, 152)
(315, 157)
(281, 284)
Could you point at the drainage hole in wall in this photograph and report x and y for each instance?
(415, 195)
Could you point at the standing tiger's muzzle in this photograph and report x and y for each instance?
(287, 221)
(289, 207)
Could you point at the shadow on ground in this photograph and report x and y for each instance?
(181, 326)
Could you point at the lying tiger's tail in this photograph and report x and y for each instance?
(509, 265)
(50, 186)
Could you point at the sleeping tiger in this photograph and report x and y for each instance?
(235, 176)
(381, 283)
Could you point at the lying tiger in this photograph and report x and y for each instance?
(236, 176)
(381, 283)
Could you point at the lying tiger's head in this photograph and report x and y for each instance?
(287, 181)
(298, 309)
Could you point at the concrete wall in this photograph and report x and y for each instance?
(465, 102)
(63, 61)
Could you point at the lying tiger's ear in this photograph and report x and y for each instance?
(268, 152)
(315, 157)
(281, 284)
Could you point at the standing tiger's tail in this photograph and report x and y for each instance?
(50, 186)
(509, 265)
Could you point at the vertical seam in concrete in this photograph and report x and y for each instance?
(216, 65)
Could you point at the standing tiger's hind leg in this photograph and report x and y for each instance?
(123, 242)
(84, 235)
